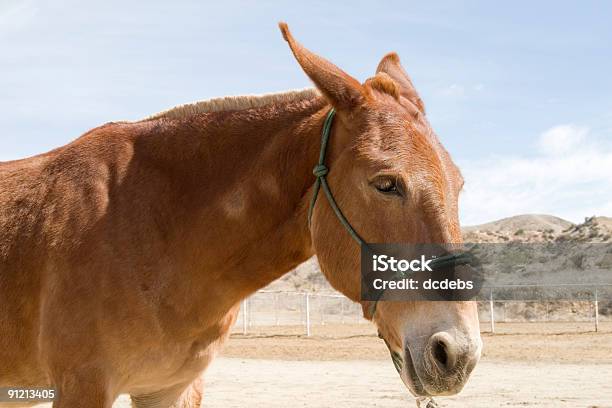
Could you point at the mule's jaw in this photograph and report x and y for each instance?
(410, 377)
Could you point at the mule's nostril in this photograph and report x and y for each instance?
(443, 352)
(440, 352)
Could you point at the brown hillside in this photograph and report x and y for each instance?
(523, 228)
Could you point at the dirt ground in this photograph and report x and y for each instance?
(523, 364)
(526, 365)
(516, 342)
(363, 383)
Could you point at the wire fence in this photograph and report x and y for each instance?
(274, 311)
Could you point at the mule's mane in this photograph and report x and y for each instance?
(233, 103)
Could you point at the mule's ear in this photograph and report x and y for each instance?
(390, 65)
(342, 90)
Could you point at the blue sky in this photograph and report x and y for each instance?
(519, 92)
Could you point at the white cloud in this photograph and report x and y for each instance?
(15, 15)
(562, 139)
(454, 90)
(461, 91)
(570, 178)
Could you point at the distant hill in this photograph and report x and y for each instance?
(593, 229)
(523, 228)
(526, 222)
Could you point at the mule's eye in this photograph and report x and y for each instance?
(387, 185)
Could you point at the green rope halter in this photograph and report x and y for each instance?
(320, 171)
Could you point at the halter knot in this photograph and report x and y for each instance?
(320, 170)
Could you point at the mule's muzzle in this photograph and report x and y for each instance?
(445, 364)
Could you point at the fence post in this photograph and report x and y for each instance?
(307, 301)
(492, 312)
(250, 314)
(322, 309)
(244, 317)
(596, 312)
(276, 320)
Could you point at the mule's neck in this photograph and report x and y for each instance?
(250, 186)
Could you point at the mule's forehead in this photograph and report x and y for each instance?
(393, 134)
(402, 139)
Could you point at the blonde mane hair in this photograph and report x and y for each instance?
(232, 103)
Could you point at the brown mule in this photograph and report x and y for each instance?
(124, 254)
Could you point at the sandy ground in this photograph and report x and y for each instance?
(347, 366)
(269, 383)
(234, 382)
(513, 342)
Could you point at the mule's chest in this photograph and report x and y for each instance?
(176, 362)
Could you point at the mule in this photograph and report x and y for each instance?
(125, 254)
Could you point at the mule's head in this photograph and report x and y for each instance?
(394, 182)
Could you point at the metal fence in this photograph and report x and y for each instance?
(277, 309)
(585, 308)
